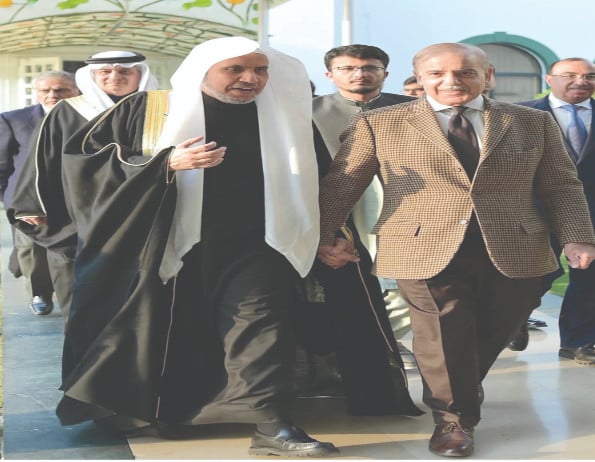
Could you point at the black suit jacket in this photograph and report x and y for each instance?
(586, 162)
(16, 130)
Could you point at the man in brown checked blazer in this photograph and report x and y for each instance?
(461, 235)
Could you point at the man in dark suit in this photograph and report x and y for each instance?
(572, 81)
(459, 228)
(16, 130)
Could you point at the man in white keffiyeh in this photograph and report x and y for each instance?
(111, 75)
(219, 257)
(38, 208)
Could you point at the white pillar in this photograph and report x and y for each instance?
(263, 22)
(346, 26)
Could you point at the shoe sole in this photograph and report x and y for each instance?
(317, 452)
(569, 355)
(516, 348)
(467, 453)
(37, 313)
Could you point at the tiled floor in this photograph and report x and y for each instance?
(536, 407)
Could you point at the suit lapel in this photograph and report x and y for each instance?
(423, 120)
(497, 123)
(544, 105)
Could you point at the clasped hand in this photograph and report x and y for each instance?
(188, 157)
(337, 255)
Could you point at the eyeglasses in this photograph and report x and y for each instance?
(571, 76)
(353, 69)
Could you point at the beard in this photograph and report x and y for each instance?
(364, 90)
(223, 97)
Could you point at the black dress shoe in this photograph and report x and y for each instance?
(520, 342)
(40, 306)
(583, 355)
(290, 441)
(533, 323)
(452, 440)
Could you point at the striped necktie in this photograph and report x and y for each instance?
(576, 133)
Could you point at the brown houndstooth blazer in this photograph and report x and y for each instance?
(428, 198)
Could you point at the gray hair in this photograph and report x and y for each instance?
(439, 48)
(55, 75)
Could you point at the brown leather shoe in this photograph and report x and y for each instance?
(452, 440)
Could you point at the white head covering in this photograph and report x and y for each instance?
(289, 161)
(95, 95)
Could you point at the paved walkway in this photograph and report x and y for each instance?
(32, 356)
(537, 406)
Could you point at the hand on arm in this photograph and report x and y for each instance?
(337, 255)
(579, 255)
(188, 157)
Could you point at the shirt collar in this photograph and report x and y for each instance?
(476, 103)
(556, 102)
(352, 102)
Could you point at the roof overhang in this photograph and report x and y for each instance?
(171, 27)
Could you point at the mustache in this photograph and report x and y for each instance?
(452, 87)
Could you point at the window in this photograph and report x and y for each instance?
(518, 73)
(29, 68)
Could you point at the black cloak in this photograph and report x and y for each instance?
(116, 344)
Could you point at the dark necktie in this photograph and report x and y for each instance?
(463, 139)
(576, 133)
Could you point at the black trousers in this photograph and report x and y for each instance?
(577, 316)
(462, 319)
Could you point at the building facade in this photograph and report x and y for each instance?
(522, 37)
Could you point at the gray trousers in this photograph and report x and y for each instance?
(33, 262)
(45, 271)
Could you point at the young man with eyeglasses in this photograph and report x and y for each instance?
(572, 81)
(353, 295)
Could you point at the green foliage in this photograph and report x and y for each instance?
(543, 94)
(197, 3)
(559, 285)
(68, 4)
